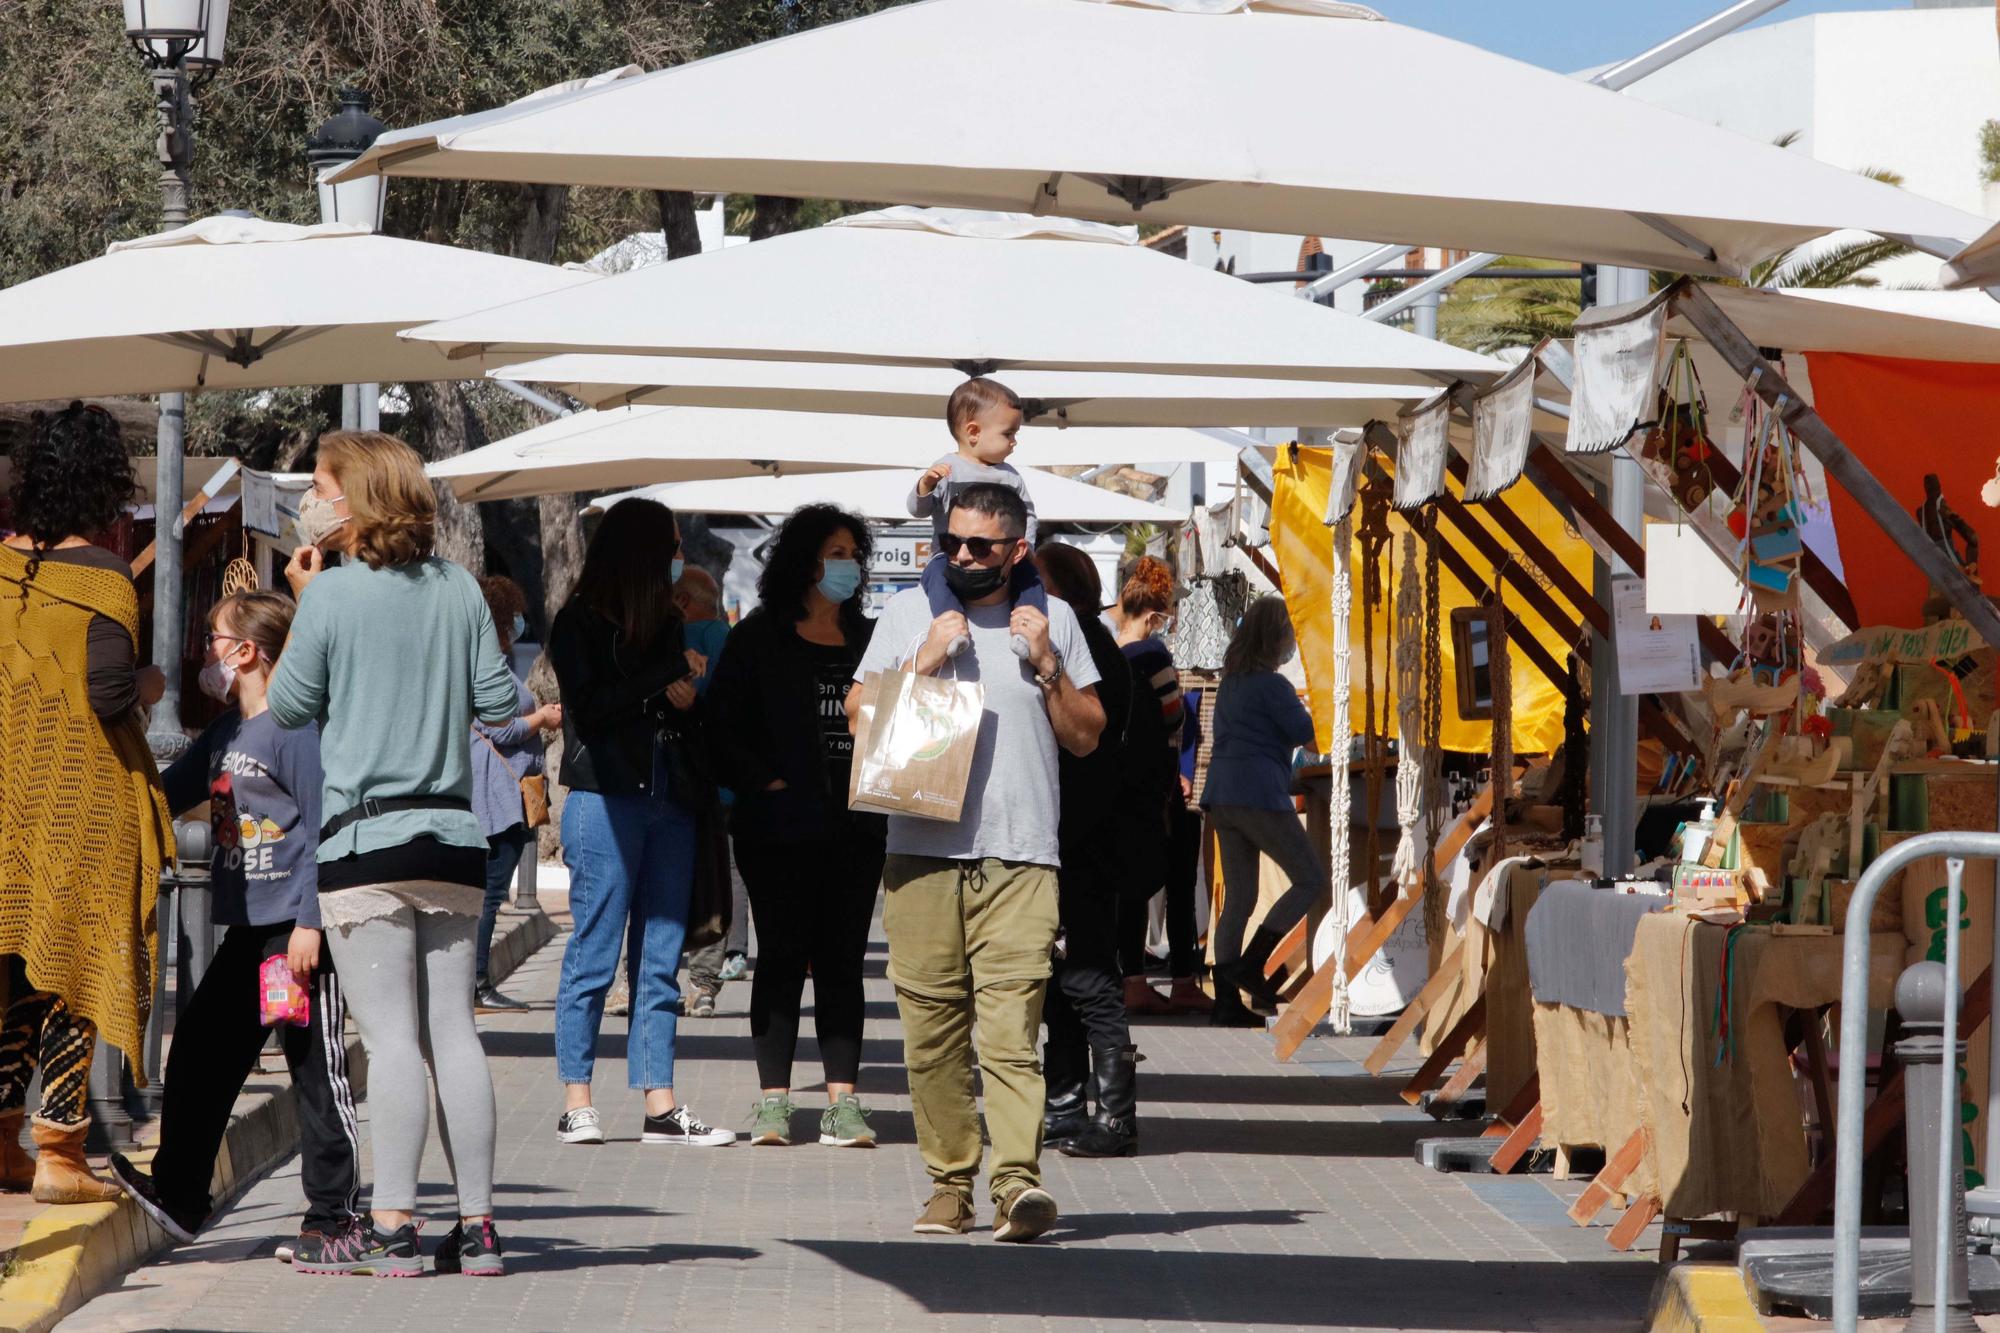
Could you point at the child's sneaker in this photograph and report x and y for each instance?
(475, 1253)
(701, 1004)
(362, 1252)
(180, 1223)
(734, 964)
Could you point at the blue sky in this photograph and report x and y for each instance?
(1570, 35)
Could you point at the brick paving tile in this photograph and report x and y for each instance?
(1268, 1196)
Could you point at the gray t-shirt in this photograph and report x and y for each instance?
(1011, 798)
(968, 472)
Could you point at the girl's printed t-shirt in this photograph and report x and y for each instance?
(262, 785)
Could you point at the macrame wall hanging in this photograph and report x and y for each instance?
(1406, 871)
(1340, 796)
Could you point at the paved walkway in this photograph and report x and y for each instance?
(1268, 1196)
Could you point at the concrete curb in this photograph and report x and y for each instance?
(1702, 1298)
(71, 1253)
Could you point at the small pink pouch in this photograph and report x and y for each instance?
(280, 998)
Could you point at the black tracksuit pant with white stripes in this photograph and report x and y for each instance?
(215, 1047)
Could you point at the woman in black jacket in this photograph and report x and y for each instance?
(630, 823)
(779, 728)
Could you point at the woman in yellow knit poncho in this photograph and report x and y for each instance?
(83, 824)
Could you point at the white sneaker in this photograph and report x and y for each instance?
(679, 1126)
(580, 1126)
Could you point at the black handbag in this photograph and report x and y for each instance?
(711, 902)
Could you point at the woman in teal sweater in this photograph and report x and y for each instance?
(393, 655)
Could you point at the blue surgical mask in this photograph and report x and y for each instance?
(676, 569)
(839, 579)
(519, 628)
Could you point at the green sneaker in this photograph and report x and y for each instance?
(771, 1120)
(845, 1124)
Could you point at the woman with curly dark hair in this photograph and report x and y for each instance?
(83, 822)
(812, 866)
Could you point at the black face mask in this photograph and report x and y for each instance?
(971, 584)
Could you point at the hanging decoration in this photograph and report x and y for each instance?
(1433, 799)
(1503, 712)
(1405, 870)
(1340, 796)
(1374, 746)
(1679, 441)
(1617, 369)
(1423, 440)
(1503, 421)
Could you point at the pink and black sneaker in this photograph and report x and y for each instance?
(473, 1251)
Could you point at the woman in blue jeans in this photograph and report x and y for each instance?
(628, 830)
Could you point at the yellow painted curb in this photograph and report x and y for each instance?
(1702, 1298)
(70, 1253)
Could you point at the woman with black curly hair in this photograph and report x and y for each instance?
(83, 823)
(811, 865)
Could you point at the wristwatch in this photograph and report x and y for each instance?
(1055, 673)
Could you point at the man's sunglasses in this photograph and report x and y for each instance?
(981, 547)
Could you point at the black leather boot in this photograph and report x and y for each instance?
(1229, 1010)
(1247, 972)
(1114, 1130)
(1065, 1113)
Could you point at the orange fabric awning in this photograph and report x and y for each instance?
(1904, 419)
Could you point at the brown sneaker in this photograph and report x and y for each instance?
(1024, 1214)
(949, 1213)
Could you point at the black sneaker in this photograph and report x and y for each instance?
(487, 999)
(679, 1126)
(363, 1252)
(180, 1223)
(475, 1253)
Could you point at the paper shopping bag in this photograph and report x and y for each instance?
(914, 753)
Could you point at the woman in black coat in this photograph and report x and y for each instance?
(779, 728)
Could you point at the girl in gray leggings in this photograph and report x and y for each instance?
(394, 654)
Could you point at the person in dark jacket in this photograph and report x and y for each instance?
(1090, 1040)
(812, 866)
(1259, 722)
(629, 702)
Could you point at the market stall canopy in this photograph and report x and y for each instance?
(1213, 113)
(1977, 265)
(240, 303)
(977, 292)
(1052, 397)
(879, 496)
(1863, 321)
(634, 446)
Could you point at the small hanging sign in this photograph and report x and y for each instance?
(1617, 377)
(1503, 421)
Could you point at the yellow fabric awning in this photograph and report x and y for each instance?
(1303, 545)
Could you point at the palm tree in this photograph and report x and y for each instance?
(1485, 315)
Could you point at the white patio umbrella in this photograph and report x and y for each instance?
(1214, 113)
(1920, 325)
(1053, 397)
(977, 292)
(878, 495)
(1977, 265)
(631, 446)
(240, 303)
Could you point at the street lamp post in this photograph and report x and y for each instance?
(340, 139)
(182, 44)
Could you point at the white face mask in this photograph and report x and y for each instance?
(217, 680)
(317, 520)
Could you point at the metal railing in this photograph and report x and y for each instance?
(1956, 846)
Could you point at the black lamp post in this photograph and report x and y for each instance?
(341, 138)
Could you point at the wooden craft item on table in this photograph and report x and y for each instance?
(1819, 845)
(1901, 745)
